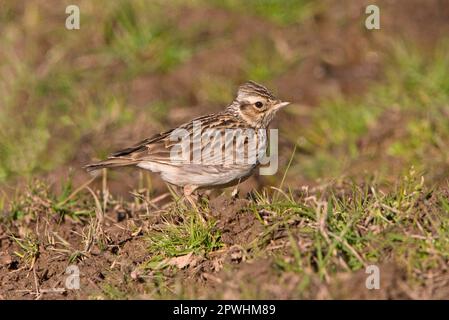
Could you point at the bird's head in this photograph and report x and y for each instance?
(256, 105)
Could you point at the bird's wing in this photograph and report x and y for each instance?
(160, 147)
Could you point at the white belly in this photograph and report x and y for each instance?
(198, 175)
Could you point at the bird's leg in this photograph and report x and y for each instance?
(188, 191)
(235, 191)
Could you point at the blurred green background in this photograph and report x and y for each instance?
(366, 102)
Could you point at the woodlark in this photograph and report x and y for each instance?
(214, 154)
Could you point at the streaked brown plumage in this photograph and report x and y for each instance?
(253, 108)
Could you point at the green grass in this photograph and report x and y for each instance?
(75, 98)
(113, 293)
(331, 231)
(318, 233)
(264, 61)
(347, 229)
(45, 114)
(44, 117)
(139, 34)
(415, 87)
(282, 12)
(39, 199)
(29, 249)
(174, 239)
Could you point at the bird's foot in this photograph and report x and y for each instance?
(192, 199)
(235, 193)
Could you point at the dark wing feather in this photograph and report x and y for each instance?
(157, 147)
(142, 145)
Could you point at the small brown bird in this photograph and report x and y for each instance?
(251, 111)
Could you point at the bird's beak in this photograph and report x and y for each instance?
(281, 104)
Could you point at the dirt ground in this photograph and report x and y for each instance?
(113, 260)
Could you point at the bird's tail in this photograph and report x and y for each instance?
(110, 163)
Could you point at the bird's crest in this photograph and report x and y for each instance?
(252, 88)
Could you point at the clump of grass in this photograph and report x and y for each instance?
(177, 238)
(280, 12)
(38, 199)
(67, 203)
(112, 292)
(29, 249)
(345, 229)
(29, 203)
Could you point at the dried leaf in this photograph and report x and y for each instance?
(181, 261)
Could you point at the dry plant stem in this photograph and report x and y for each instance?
(105, 190)
(99, 221)
(74, 193)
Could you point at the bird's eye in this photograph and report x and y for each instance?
(259, 104)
